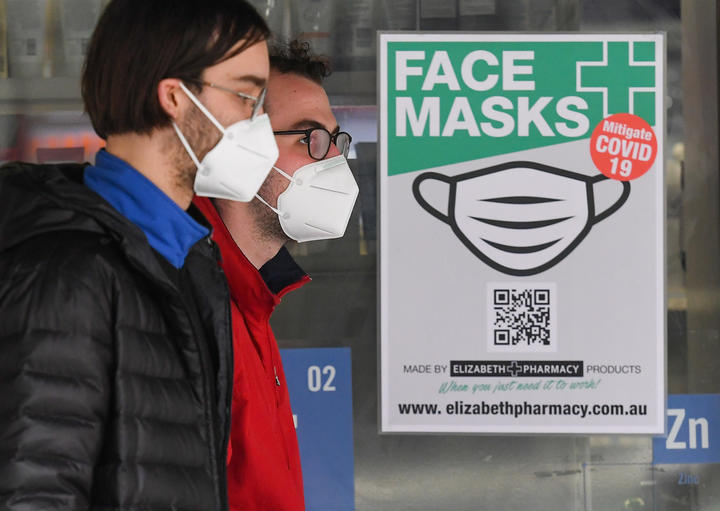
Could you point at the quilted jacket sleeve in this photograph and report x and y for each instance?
(55, 370)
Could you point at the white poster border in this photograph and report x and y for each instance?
(385, 37)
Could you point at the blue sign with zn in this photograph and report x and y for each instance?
(320, 389)
(693, 430)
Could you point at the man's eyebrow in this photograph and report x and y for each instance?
(254, 79)
(312, 123)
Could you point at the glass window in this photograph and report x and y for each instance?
(41, 50)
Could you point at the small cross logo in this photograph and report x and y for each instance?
(514, 368)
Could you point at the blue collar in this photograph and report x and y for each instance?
(169, 230)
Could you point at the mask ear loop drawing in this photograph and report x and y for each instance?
(618, 204)
(421, 200)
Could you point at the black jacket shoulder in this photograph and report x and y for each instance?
(109, 396)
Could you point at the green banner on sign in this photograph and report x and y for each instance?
(450, 102)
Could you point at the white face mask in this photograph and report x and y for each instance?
(318, 201)
(522, 218)
(236, 167)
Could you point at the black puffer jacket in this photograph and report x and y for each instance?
(114, 387)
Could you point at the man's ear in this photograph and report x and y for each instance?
(172, 98)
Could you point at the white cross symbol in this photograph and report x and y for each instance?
(604, 90)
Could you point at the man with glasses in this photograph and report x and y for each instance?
(309, 195)
(116, 361)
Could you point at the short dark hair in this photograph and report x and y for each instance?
(138, 43)
(296, 57)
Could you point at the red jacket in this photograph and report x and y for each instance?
(264, 471)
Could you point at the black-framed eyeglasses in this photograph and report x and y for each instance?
(318, 141)
(259, 100)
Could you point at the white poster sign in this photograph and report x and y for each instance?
(522, 255)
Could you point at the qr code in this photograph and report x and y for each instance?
(521, 317)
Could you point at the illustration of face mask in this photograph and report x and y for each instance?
(318, 201)
(521, 218)
(236, 167)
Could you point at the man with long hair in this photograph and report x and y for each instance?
(116, 361)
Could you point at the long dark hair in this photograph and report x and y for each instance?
(138, 43)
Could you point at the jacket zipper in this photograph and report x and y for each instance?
(210, 403)
(271, 353)
(224, 428)
(211, 396)
(228, 395)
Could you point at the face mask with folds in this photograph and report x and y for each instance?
(239, 163)
(522, 218)
(318, 201)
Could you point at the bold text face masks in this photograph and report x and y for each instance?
(521, 218)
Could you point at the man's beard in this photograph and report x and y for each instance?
(201, 135)
(267, 223)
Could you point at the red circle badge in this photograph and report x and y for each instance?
(623, 146)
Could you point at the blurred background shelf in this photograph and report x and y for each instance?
(351, 87)
(37, 95)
